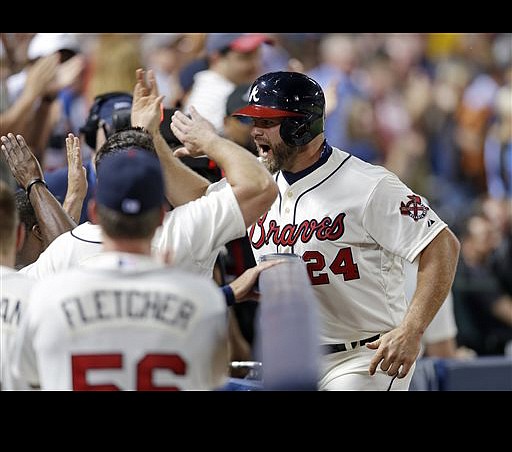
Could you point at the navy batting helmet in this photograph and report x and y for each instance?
(290, 95)
(114, 109)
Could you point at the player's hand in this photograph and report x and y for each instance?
(23, 164)
(41, 74)
(77, 174)
(147, 104)
(396, 351)
(67, 74)
(243, 286)
(195, 132)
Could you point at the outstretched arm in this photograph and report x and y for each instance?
(52, 218)
(243, 287)
(400, 347)
(252, 184)
(182, 183)
(20, 115)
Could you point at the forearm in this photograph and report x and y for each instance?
(16, 117)
(182, 183)
(73, 205)
(51, 217)
(39, 129)
(239, 349)
(436, 271)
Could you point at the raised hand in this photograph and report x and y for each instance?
(77, 174)
(67, 74)
(194, 132)
(147, 104)
(22, 162)
(41, 74)
(77, 178)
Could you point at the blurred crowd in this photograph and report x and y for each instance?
(436, 109)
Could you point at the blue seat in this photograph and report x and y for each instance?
(486, 373)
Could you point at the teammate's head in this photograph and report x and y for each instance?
(129, 195)
(236, 56)
(11, 233)
(5, 173)
(33, 245)
(238, 128)
(291, 103)
(133, 137)
(109, 113)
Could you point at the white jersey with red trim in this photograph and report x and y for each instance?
(14, 291)
(123, 322)
(353, 223)
(194, 233)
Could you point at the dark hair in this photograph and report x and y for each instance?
(124, 140)
(8, 217)
(25, 210)
(5, 173)
(119, 226)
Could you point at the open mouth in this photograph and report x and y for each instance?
(263, 150)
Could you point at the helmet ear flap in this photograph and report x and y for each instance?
(295, 132)
(91, 126)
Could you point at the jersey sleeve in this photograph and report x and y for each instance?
(399, 220)
(206, 224)
(51, 260)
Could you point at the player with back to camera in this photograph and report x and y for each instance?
(353, 224)
(206, 215)
(14, 287)
(124, 321)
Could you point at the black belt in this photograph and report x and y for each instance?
(335, 348)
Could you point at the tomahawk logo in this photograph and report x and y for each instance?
(253, 97)
(414, 208)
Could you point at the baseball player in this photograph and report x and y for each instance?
(353, 223)
(14, 287)
(195, 230)
(124, 321)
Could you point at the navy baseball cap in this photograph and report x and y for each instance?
(130, 182)
(239, 42)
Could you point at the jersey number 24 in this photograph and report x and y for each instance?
(342, 264)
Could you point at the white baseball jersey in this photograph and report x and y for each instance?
(123, 322)
(353, 223)
(14, 294)
(194, 232)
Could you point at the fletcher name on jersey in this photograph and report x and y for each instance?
(106, 305)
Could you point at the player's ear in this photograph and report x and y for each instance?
(92, 210)
(37, 232)
(162, 215)
(20, 236)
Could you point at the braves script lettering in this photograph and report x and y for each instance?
(290, 234)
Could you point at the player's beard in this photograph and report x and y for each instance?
(282, 157)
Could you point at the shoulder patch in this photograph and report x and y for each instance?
(414, 208)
